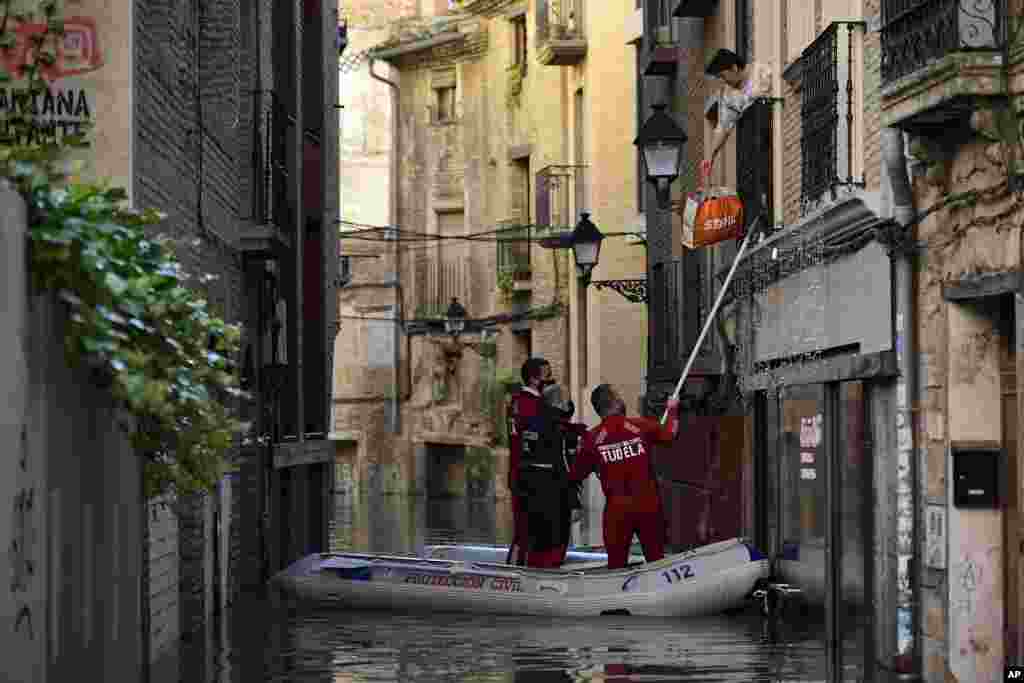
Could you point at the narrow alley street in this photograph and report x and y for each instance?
(268, 639)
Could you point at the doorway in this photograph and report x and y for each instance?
(446, 470)
(814, 496)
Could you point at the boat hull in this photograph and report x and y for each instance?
(703, 581)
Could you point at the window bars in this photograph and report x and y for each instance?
(826, 115)
(560, 190)
(271, 125)
(918, 32)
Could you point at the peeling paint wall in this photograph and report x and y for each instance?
(975, 536)
(961, 573)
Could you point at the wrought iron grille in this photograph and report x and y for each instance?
(439, 279)
(271, 131)
(560, 189)
(559, 20)
(665, 301)
(514, 251)
(826, 114)
(754, 161)
(916, 32)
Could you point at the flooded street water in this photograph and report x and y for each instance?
(267, 639)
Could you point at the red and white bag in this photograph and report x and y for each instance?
(711, 216)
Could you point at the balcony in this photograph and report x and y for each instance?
(439, 278)
(938, 57)
(560, 192)
(829, 125)
(754, 162)
(560, 40)
(272, 213)
(514, 251)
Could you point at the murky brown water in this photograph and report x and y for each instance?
(271, 640)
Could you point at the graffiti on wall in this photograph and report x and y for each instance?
(22, 550)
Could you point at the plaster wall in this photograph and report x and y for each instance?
(962, 595)
(975, 536)
(616, 333)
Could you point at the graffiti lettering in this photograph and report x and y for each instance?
(21, 562)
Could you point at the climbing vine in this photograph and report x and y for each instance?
(132, 318)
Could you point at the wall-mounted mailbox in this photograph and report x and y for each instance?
(976, 476)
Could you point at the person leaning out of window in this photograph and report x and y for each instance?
(741, 85)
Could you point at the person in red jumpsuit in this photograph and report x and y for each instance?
(619, 450)
(526, 404)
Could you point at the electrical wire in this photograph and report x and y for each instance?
(482, 236)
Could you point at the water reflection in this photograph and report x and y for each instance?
(276, 640)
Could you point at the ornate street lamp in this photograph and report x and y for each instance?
(586, 247)
(585, 242)
(455, 318)
(661, 141)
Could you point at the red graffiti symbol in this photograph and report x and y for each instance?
(77, 51)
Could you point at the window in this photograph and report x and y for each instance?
(445, 104)
(754, 162)
(830, 115)
(519, 50)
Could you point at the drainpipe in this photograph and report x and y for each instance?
(396, 427)
(907, 660)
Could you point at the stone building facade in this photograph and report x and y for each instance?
(872, 331)
(498, 136)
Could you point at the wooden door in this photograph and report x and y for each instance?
(701, 478)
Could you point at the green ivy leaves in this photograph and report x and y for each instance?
(131, 316)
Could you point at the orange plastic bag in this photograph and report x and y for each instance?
(712, 216)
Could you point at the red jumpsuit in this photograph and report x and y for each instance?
(619, 449)
(526, 404)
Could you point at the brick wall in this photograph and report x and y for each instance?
(162, 560)
(872, 97)
(791, 156)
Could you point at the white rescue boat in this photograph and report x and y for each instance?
(705, 580)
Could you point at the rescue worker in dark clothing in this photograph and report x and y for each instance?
(549, 497)
(526, 405)
(619, 450)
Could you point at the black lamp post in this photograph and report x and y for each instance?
(585, 242)
(455, 318)
(586, 247)
(661, 142)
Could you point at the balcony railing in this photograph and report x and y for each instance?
(514, 252)
(827, 115)
(440, 278)
(561, 192)
(272, 127)
(754, 161)
(559, 35)
(918, 32)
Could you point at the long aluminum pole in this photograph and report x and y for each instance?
(714, 312)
